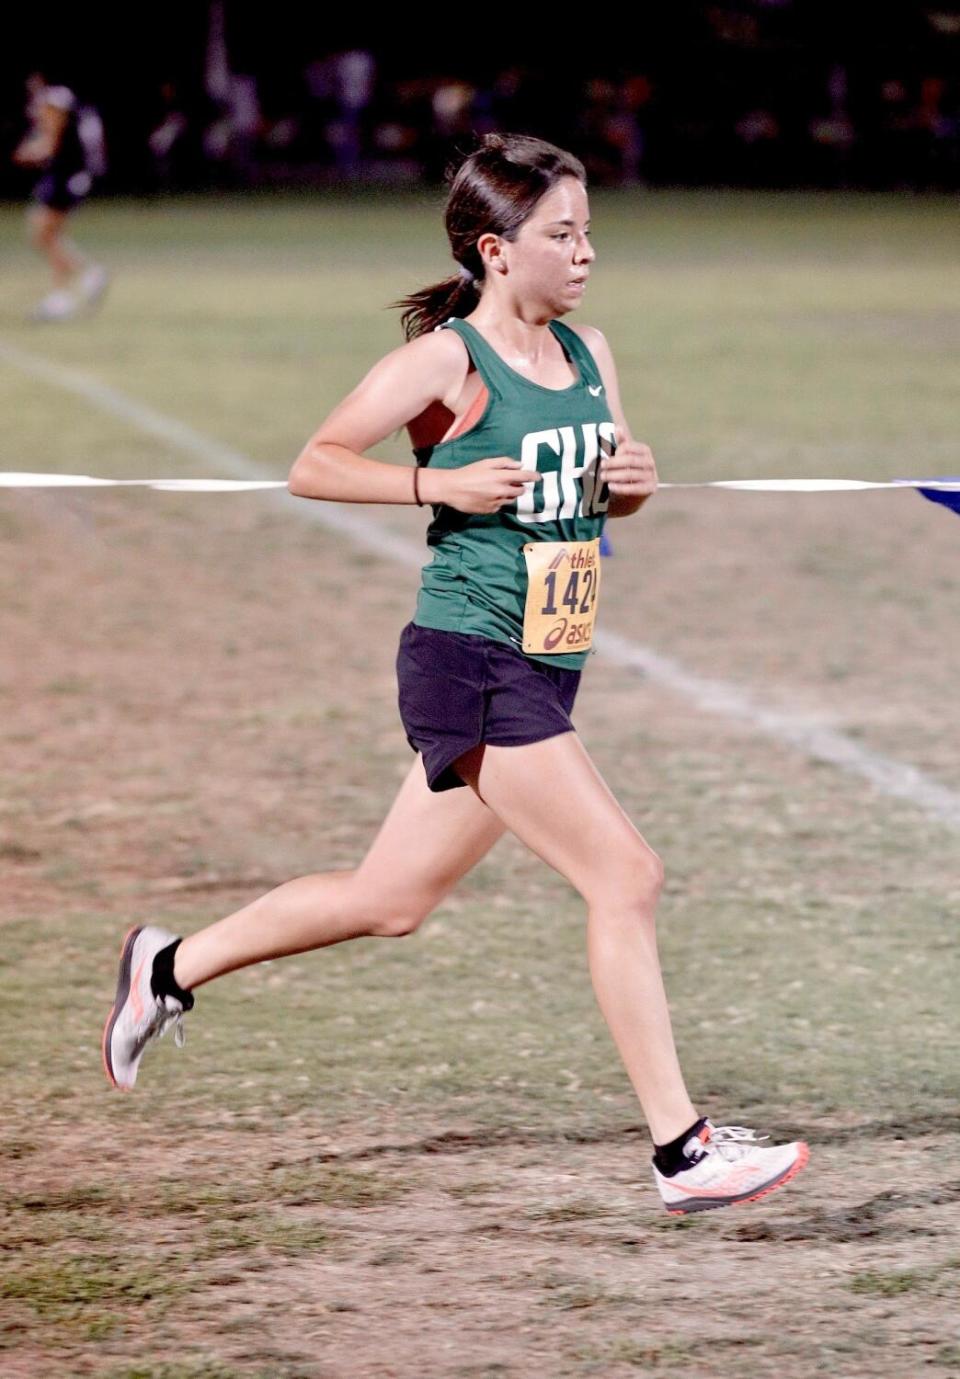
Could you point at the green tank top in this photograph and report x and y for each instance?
(476, 581)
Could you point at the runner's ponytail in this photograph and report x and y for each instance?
(426, 309)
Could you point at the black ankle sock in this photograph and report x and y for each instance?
(670, 1158)
(163, 982)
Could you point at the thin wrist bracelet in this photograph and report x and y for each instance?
(416, 493)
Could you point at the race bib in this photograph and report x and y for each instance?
(563, 583)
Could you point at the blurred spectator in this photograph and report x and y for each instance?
(230, 140)
(758, 135)
(508, 104)
(939, 119)
(734, 98)
(65, 143)
(451, 124)
(167, 140)
(733, 25)
(600, 158)
(834, 133)
(897, 134)
(343, 86)
(626, 127)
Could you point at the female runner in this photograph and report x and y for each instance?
(55, 145)
(522, 452)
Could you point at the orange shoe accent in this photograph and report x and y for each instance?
(103, 1052)
(135, 999)
(736, 1175)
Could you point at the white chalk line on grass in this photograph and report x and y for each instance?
(813, 739)
(890, 777)
(210, 451)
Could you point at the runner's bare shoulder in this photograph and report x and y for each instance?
(594, 339)
(398, 389)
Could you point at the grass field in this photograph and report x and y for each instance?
(423, 1158)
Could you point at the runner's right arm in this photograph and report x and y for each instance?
(398, 388)
(43, 140)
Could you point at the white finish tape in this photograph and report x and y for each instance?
(14, 479)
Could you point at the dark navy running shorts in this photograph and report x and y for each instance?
(62, 193)
(457, 689)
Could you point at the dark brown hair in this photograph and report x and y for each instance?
(493, 191)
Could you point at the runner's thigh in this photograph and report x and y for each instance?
(45, 222)
(427, 842)
(552, 797)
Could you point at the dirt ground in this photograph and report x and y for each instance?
(188, 724)
(538, 1259)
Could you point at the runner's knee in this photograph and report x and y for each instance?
(392, 913)
(656, 873)
(629, 883)
(397, 921)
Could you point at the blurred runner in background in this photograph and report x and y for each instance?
(65, 141)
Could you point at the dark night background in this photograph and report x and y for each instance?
(758, 93)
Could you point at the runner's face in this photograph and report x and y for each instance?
(551, 256)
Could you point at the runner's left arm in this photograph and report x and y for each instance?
(630, 474)
(43, 140)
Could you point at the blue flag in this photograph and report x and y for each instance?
(949, 499)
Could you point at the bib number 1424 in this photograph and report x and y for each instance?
(563, 584)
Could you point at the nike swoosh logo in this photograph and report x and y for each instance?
(595, 392)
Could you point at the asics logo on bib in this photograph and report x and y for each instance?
(552, 638)
(559, 495)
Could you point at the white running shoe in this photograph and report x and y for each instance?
(56, 306)
(138, 1015)
(92, 284)
(730, 1166)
